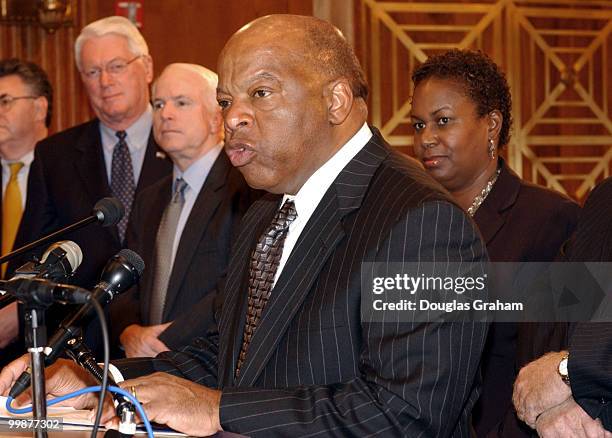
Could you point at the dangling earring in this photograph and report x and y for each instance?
(491, 148)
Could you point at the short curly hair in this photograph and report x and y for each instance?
(484, 81)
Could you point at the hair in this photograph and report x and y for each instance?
(34, 77)
(323, 48)
(333, 55)
(209, 76)
(111, 25)
(484, 82)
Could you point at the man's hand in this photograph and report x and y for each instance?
(61, 378)
(139, 341)
(9, 324)
(539, 387)
(178, 403)
(569, 419)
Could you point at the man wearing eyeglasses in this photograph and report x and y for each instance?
(114, 154)
(25, 115)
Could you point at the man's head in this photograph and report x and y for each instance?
(26, 99)
(187, 120)
(116, 68)
(292, 93)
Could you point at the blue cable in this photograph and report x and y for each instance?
(82, 391)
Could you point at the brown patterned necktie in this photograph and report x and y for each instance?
(122, 180)
(262, 269)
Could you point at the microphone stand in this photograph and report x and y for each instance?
(80, 353)
(36, 340)
(11, 255)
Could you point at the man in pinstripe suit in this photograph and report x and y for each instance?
(293, 99)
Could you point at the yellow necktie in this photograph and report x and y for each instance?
(12, 210)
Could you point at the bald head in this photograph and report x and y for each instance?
(187, 120)
(311, 42)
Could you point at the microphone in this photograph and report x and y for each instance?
(43, 292)
(58, 263)
(120, 273)
(107, 212)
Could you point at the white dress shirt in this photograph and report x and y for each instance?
(308, 197)
(195, 176)
(22, 176)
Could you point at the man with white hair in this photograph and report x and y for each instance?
(111, 155)
(184, 224)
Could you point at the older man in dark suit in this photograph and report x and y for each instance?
(290, 354)
(569, 393)
(112, 155)
(187, 256)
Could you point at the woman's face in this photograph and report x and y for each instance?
(450, 139)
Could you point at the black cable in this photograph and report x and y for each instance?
(104, 384)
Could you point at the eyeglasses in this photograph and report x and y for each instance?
(115, 68)
(7, 101)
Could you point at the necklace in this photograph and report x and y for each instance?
(479, 199)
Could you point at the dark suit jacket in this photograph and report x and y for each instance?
(520, 222)
(202, 254)
(29, 228)
(590, 349)
(73, 172)
(313, 365)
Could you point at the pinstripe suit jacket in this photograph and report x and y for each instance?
(590, 349)
(313, 367)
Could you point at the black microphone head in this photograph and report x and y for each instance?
(134, 259)
(109, 211)
(122, 271)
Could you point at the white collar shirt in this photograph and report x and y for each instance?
(310, 194)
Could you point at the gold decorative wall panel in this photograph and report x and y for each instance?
(557, 58)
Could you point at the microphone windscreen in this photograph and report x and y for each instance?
(109, 211)
(74, 255)
(134, 259)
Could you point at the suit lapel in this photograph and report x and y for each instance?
(232, 320)
(207, 202)
(155, 166)
(91, 168)
(90, 165)
(32, 209)
(323, 232)
(490, 216)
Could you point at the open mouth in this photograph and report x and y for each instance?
(240, 154)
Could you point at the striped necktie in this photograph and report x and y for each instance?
(12, 210)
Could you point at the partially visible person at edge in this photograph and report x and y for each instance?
(461, 113)
(569, 392)
(26, 101)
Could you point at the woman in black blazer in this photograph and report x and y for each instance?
(461, 113)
